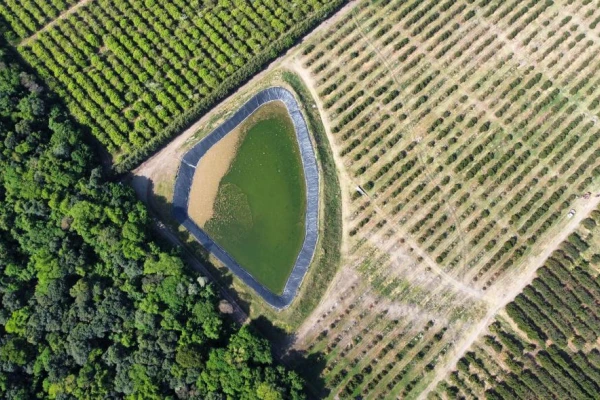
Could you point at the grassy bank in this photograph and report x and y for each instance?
(327, 259)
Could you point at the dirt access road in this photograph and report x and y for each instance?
(166, 162)
(507, 288)
(496, 298)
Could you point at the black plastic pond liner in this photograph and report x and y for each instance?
(185, 178)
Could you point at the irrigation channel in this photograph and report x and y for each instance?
(185, 177)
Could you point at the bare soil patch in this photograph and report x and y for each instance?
(209, 172)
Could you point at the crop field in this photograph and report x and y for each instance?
(546, 341)
(136, 72)
(261, 200)
(465, 133)
(26, 17)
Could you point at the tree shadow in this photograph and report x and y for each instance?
(161, 210)
(309, 366)
(279, 338)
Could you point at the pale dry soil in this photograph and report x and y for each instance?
(211, 168)
(155, 177)
(507, 288)
(163, 165)
(496, 298)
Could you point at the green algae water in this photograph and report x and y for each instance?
(260, 207)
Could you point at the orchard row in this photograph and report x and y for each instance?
(555, 349)
(137, 72)
(440, 151)
(471, 127)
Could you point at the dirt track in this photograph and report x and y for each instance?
(60, 17)
(496, 298)
(508, 288)
(165, 162)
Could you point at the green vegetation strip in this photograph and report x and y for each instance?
(328, 255)
(259, 209)
(134, 89)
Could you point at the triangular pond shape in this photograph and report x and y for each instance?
(249, 195)
(248, 192)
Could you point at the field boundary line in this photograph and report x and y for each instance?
(523, 278)
(56, 20)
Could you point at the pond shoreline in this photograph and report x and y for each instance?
(185, 178)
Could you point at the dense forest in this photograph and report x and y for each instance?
(92, 307)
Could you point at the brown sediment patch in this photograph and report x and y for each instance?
(210, 170)
(216, 162)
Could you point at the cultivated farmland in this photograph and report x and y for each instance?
(135, 72)
(25, 17)
(470, 129)
(545, 342)
(464, 133)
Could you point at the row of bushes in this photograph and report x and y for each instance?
(174, 88)
(27, 16)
